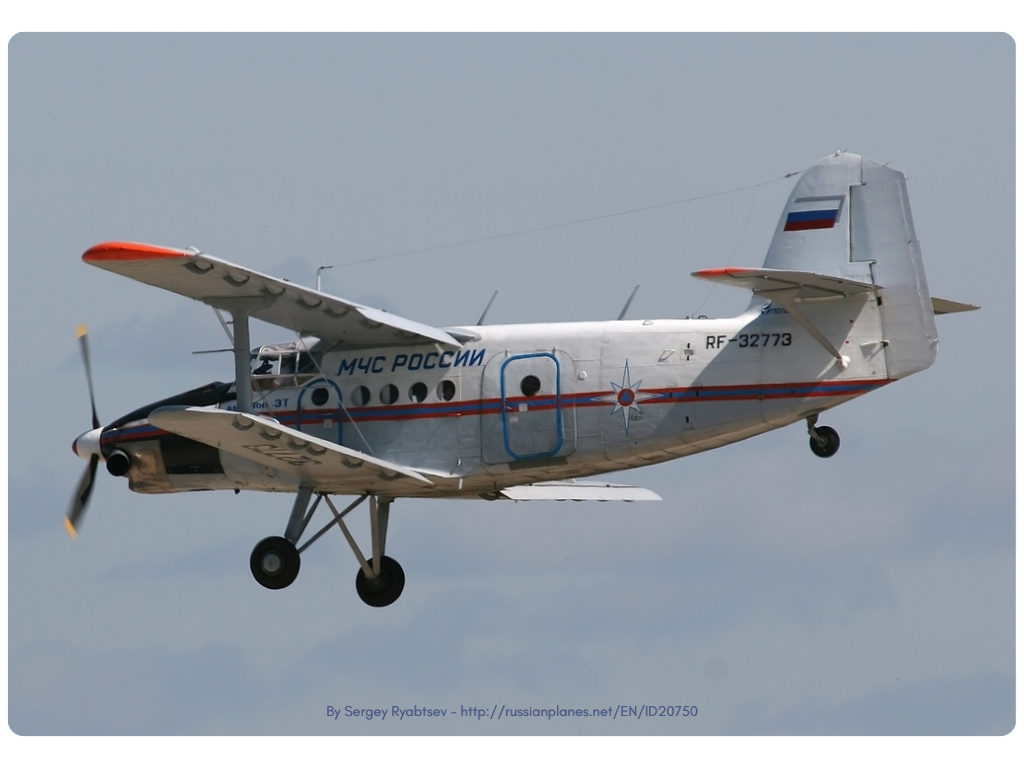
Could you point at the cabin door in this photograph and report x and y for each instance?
(528, 413)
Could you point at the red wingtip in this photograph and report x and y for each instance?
(718, 271)
(118, 251)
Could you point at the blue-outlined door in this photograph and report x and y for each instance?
(318, 410)
(531, 405)
(527, 407)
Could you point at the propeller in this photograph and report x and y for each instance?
(81, 497)
(83, 340)
(80, 500)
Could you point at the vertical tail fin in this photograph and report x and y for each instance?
(849, 217)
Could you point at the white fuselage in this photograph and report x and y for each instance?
(529, 403)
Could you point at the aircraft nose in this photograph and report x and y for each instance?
(88, 444)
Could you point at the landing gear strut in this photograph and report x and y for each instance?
(275, 560)
(380, 580)
(824, 440)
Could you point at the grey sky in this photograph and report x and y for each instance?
(870, 594)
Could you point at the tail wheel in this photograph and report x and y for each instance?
(824, 442)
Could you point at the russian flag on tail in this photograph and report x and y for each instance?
(813, 213)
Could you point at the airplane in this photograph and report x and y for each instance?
(368, 404)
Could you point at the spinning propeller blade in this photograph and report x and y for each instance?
(81, 498)
(84, 342)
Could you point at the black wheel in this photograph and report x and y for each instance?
(826, 443)
(274, 562)
(385, 589)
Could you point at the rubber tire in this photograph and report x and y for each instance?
(831, 445)
(290, 562)
(384, 590)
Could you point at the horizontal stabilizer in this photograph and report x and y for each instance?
(572, 491)
(224, 285)
(947, 307)
(809, 285)
(266, 442)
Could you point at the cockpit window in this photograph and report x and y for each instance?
(274, 367)
(265, 365)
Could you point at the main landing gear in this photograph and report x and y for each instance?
(275, 560)
(824, 440)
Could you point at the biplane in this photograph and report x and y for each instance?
(366, 404)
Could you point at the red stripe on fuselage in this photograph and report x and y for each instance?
(492, 406)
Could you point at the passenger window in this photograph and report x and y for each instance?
(388, 394)
(418, 392)
(446, 390)
(360, 396)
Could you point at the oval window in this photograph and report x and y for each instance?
(418, 392)
(360, 395)
(388, 394)
(530, 386)
(446, 390)
(319, 396)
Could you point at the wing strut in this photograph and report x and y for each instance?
(240, 310)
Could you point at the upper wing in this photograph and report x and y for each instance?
(326, 464)
(568, 490)
(809, 285)
(221, 284)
